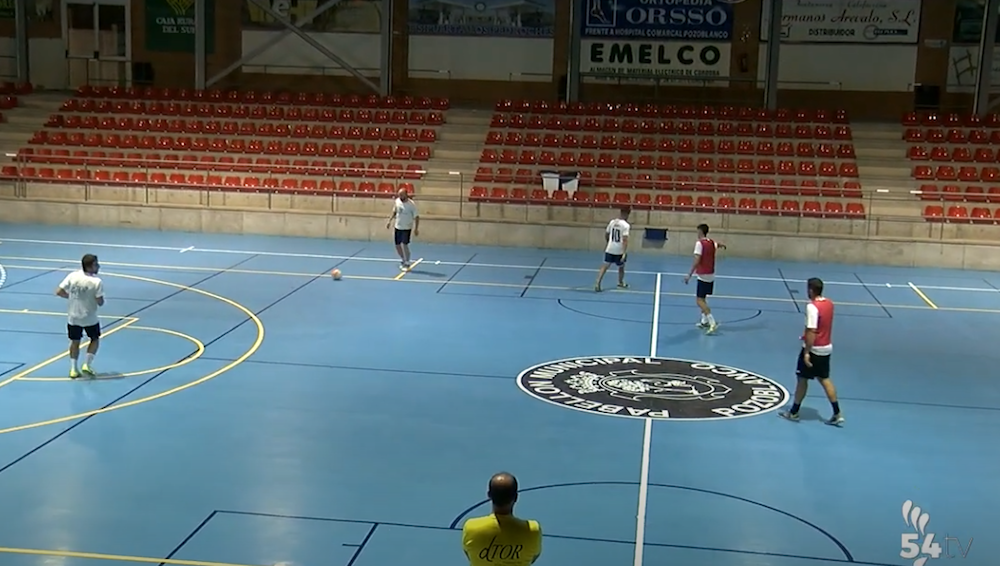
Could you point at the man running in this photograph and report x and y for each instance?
(616, 252)
(704, 267)
(814, 357)
(407, 224)
(85, 292)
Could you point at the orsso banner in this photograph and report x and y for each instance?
(846, 21)
(656, 39)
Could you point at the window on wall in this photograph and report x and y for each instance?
(968, 25)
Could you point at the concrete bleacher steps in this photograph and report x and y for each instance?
(891, 229)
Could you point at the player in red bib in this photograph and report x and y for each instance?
(704, 267)
(814, 358)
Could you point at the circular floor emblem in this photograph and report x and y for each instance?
(653, 388)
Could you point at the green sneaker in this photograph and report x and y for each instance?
(87, 371)
(73, 374)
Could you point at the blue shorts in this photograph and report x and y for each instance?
(402, 237)
(616, 259)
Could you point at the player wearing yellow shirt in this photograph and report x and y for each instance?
(501, 539)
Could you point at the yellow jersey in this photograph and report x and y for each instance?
(501, 541)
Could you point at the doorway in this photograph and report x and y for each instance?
(98, 39)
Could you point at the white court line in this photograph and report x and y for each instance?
(193, 249)
(647, 438)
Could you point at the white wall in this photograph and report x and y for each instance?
(480, 58)
(46, 60)
(877, 68)
(293, 56)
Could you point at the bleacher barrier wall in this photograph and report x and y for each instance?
(758, 222)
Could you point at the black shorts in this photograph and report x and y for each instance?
(820, 366)
(616, 259)
(402, 237)
(75, 333)
(705, 288)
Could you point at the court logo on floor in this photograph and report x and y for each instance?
(653, 388)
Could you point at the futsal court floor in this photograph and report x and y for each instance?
(251, 411)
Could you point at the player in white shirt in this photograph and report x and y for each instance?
(85, 292)
(407, 224)
(616, 252)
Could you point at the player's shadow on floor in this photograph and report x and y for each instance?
(428, 273)
(810, 414)
(103, 376)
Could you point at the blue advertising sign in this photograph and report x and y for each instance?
(692, 20)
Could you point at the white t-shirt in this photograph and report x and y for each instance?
(406, 214)
(812, 323)
(83, 291)
(698, 250)
(617, 231)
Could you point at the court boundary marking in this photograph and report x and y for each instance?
(149, 398)
(193, 249)
(129, 323)
(453, 527)
(582, 289)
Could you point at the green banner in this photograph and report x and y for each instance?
(170, 26)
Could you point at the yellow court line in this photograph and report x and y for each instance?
(114, 557)
(921, 294)
(540, 287)
(197, 354)
(242, 358)
(56, 358)
(403, 273)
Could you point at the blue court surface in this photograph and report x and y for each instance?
(251, 411)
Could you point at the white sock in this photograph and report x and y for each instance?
(704, 319)
(711, 319)
(90, 359)
(72, 362)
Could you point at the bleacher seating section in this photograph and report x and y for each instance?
(789, 163)
(302, 144)
(956, 161)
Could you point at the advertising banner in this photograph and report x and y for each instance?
(664, 20)
(845, 21)
(669, 63)
(170, 26)
(485, 18)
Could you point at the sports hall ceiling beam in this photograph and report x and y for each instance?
(317, 46)
(257, 51)
(984, 66)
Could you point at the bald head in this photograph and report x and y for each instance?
(503, 490)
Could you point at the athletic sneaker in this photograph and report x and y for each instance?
(73, 374)
(702, 325)
(597, 288)
(712, 328)
(623, 285)
(836, 420)
(794, 417)
(86, 370)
